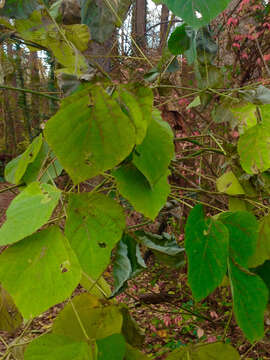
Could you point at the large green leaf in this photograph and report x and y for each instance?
(100, 136)
(229, 184)
(29, 210)
(111, 348)
(254, 149)
(196, 13)
(127, 264)
(215, 351)
(94, 225)
(250, 297)
(39, 271)
(207, 245)
(19, 9)
(17, 167)
(57, 347)
(243, 229)
(154, 155)
(136, 189)
(262, 251)
(164, 247)
(10, 318)
(99, 319)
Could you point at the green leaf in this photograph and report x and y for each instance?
(127, 264)
(215, 351)
(243, 229)
(136, 189)
(39, 271)
(179, 41)
(164, 247)
(237, 204)
(262, 251)
(17, 167)
(207, 245)
(100, 136)
(133, 334)
(10, 318)
(56, 347)
(41, 30)
(254, 149)
(99, 288)
(79, 35)
(194, 103)
(18, 9)
(137, 103)
(229, 184)
(250, 296)
(245, 115)
(111, 348)
(196, 13)
(94, 225)
(158, 144)
(135, 354)
(45, 165)
(99, 319)
(264, 273)
(29, 210)
(132, 109)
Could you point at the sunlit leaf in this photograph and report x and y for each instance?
(94, 225)
(39, 271)
(100, 136)
(254, 149)
(229, 184)
(29, 210)
(99, 320)
(57, 347)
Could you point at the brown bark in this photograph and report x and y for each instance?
(163, 26)
(139, 23)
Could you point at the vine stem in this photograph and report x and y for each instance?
(5, 87)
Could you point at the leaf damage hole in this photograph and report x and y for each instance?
(102, 245)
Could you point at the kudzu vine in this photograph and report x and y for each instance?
(57, 239)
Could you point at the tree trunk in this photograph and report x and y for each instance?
(139, 23)
(163, 26)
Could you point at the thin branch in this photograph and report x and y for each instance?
(5, 87)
